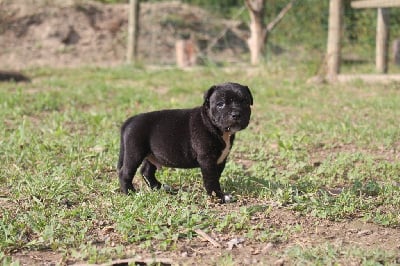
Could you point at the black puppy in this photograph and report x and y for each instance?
(185, 138)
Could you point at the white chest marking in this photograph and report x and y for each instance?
(227, 138)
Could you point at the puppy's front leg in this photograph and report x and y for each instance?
(211, 174)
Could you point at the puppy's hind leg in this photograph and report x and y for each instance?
(148, 171)
(127, 172)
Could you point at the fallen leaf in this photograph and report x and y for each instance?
(234, 243)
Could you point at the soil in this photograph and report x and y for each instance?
(76, 33)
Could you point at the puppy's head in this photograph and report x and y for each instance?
(228, 106)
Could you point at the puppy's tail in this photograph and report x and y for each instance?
(121, 152)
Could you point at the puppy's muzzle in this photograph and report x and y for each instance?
(235, 116)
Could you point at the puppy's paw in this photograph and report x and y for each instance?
(168, 189)
(228, 198)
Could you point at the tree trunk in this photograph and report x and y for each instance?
(258, 31)
(258, 35)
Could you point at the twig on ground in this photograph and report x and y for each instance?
(208, 238)
(136, 261)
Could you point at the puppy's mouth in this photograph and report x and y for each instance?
(232, 129)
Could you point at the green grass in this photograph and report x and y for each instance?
(327, 254)
(59, 141)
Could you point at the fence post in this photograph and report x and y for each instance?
(382, 40)
(334, 42)
(133, 26)
(396, 51)
(186, 53)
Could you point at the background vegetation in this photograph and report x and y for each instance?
(309, 18)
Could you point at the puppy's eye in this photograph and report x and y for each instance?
(220, 105)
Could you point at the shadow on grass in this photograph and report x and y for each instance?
(249, 185)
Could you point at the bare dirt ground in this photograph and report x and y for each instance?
(76, 33)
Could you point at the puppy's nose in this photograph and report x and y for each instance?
(235, 115)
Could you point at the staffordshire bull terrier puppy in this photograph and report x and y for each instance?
(185, 138)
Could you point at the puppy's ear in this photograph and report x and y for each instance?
(250, 95)
(207, 96)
